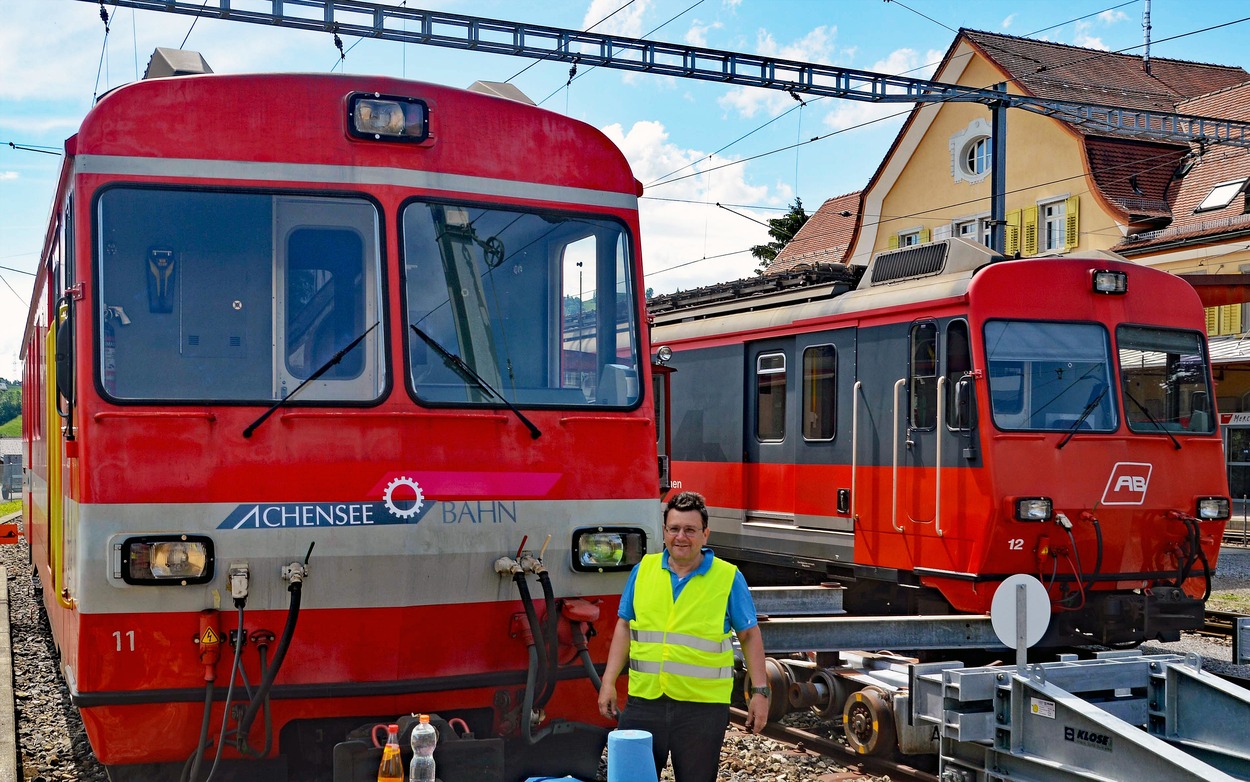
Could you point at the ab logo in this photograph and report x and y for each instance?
(1127, 484)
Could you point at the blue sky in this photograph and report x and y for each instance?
(736, 146)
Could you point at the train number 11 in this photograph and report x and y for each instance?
(130, 637)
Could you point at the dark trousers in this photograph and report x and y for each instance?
(692, 732)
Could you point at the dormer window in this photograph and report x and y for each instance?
(1221, 195)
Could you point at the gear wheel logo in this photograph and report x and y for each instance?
(390, 499)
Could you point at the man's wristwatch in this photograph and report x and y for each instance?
(760, 691)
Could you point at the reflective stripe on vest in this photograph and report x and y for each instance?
(680, 648)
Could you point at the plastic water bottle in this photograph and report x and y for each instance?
(392, 766)
(424, 739)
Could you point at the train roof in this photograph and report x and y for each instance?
(922, 273)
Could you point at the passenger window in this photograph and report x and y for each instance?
(770, 397)
(923, 386)
(820, 369)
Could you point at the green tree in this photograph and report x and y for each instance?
(782, 230)
(10, 403)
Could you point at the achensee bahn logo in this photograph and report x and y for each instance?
(1127, 484)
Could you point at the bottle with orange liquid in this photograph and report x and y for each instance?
(392, 767)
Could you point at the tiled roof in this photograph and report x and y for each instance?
(1209, 168)
(1062, 72)
(1136, 176)
(826, 236)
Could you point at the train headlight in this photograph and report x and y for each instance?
(388, 118)
(167, 560)
(1213, 508)
(1033, 508)
(607, 549)
(1110, 282)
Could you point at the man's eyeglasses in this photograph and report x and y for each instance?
(689, 532)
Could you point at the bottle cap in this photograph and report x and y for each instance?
(425, 718)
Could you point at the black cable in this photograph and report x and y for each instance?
(262, 693)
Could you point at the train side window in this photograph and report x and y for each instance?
(922, 390)
(770, 397)
(820, 374)
(958, 364)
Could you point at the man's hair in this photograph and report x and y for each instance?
(687, 500)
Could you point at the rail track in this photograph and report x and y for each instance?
(899, 770)
(1221, 624)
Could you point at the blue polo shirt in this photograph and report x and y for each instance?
(740, 614)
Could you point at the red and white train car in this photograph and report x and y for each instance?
(951, 419)
(392, 320)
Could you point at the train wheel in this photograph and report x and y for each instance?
(868, 722)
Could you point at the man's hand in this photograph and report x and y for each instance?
(607, 701)
(757, 712)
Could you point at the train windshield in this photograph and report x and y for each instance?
(538, 307)
(237, 297)
(1050, 376)
(1164, 376)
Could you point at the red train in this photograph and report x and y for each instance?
(950, 418)
(318, 373)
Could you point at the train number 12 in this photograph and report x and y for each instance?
(130, 637)
(1015, 544)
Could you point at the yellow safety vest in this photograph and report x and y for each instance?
(680, 648)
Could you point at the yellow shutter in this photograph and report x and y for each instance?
(1212, 321)
(1230, 319)
(1072, 230)
(1028, 231)
(893, 242)
(925, 235)
(1011, 243)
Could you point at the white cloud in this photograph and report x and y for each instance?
(8, 176)
(1083, 37)
(1112, 15)
(628, 22)
(690, 226)
(816, 46)
(1006, 23)
(697, 34)
(847, 114)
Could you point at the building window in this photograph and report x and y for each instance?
(977, 156)
(770, 397)
(974, 230)
(820, 374)
(1054, 226)
(1221, 195)
(909, 239)
(972, 152)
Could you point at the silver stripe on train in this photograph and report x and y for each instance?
(187, 168)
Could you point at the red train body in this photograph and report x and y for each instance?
(472, 263)
(953, 419)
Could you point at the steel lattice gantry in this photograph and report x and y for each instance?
(458, 31)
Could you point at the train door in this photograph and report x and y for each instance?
(824, 464)
(939, 433)
(770, 418)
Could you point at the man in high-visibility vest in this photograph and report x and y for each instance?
(673, 628)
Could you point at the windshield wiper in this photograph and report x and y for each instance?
(466, 373)
(1152, 419)
(336, 358)
(1089, 408)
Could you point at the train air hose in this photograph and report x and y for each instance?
(552, 639)
(538, 663)
(191, 770)
(296, 573)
